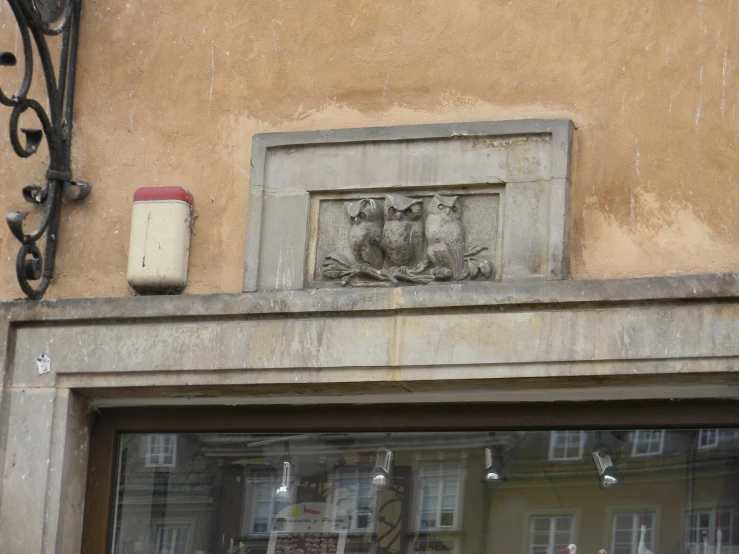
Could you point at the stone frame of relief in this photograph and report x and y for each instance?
(409, 205)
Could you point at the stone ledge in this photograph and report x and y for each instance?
(531, 294)
(395, 345)
(615, 380)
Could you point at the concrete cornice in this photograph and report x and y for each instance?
(504, 296)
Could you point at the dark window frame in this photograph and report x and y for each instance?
(109, 423)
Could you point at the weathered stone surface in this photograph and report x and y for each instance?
(4, 384)
(526, 251)
(479, 340)
(633, 333)
(253, 344)
(337, 331)
(44, 471)
(675, 379)
(4, 402)
(282, 263)
(26, 469)
(527, 160)
(505, 295)
(525, 382)
(65, 495)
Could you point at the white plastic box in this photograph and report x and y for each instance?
(159, 249)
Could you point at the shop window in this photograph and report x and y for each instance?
(548, 534)
(647, 442)
(161, 450)
(424, 491)
(566, 445)
(265, 505)
(171, 539)
(626, 531)
(354, 494)
(703, 525)
(440, 494)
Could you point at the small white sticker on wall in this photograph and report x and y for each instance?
(43, 363)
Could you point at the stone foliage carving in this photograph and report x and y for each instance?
(391, 241)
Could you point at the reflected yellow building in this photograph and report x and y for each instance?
(221, 490)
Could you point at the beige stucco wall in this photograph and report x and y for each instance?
(170, 93)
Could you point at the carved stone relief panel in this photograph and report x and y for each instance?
(405, 237)
(411, 206)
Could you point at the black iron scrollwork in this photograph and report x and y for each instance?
(41, 19)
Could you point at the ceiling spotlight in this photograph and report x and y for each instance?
(382, 475)
(608, 476)
(283, 491)
(492, 473)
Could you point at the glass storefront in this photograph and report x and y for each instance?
(661, 491)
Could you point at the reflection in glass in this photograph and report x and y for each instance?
(160, 450)
(355, 495)
(627, 534)
(239, 493)
(439, 487)
(382, 476)
(647, 442)
(566, 445)
(551, 533)
(608, 476)
(265, 502)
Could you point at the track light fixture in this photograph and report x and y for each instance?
(382, 475)
(609, 477)
(492, 473)
(283, 491)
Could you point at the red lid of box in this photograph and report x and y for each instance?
(162, 193)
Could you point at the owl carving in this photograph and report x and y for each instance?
(365, 234)
(402, 236)
(445, 236)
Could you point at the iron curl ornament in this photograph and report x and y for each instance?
(41, 19)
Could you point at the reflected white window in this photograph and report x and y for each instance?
(647, 442)
(626, 532)
(550, 533)
(709, 521)
(711, 438)
(355, 494)
(161, 450)
(708, 438)
(697, 523)
(439, 495)
(264, 505)
(171, 539)
(566, 445)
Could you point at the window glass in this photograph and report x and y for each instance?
(171, 539)
(632, 529)
(354, 494)
(634, 491)
(566, 445)
(439, 491)
(708, 438)
(264, 503)
(160, 450)
(712, 531)
(550, 533)
(647, 442)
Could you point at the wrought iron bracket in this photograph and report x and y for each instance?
(41, 19)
